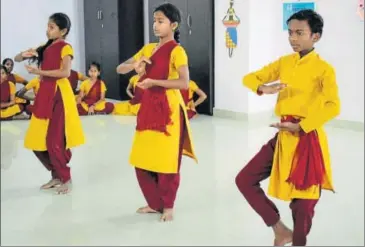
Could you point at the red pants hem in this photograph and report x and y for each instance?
(57, 157)
(248, 182)
(160, 189)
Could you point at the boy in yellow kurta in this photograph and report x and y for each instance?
(126, 108)
(55, 126)
(297, 158)
(162, 131)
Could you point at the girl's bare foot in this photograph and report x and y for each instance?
(283, 235)
(64, 188)
(52, 183)
(167, 214)
(146, 210)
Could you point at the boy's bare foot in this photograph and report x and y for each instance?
(52, 183)
(64, 188)
(283, 235)
(146, 210)
(167, 214)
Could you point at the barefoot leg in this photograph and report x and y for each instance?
(283, 235)
(167, 215)
(52, 183)
(146, 210)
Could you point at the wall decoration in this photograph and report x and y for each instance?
(231, 21)
(291, 8)
(360, 9)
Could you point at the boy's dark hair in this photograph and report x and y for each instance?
(315, 21)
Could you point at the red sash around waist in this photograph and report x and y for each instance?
(308, 164)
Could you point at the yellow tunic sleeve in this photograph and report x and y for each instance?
(179, 57)
(139, 54)
(267, 74)
(133, 80)
(192, 86)
(331, 103)
(80, 75)
(67, 51)
(31, 84)
(12, 88)
(18, 78)
(103, 87)
(83, 86)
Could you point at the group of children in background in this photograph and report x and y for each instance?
(90, 95)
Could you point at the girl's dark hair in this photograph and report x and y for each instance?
(8, 59)
(5, 69)
(173, 14)
(97, 66)
(63, 22)
(315, 21)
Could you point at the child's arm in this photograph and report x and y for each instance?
(80, 96)
(267, 74)
(25, 55)
(21, 80)
(202, 97)
(331, 108)
(63, 72)
(82, 77)
(21, 94)
(133, 64)
(181, 83)
(129, 90)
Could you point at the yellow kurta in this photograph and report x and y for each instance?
(125, 108)
(11, 110)
(85, 88)
(152, 150)
(312, 95)
(35, 138)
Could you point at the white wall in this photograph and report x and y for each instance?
(229, 93)
(261, 40)
(28, 29)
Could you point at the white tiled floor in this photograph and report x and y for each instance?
(209, 209)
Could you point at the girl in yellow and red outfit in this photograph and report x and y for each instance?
(9, 108)
(91, 98)
(52, 132)
(163, 131)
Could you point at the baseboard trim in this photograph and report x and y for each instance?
(267, 117)
(346, 124)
